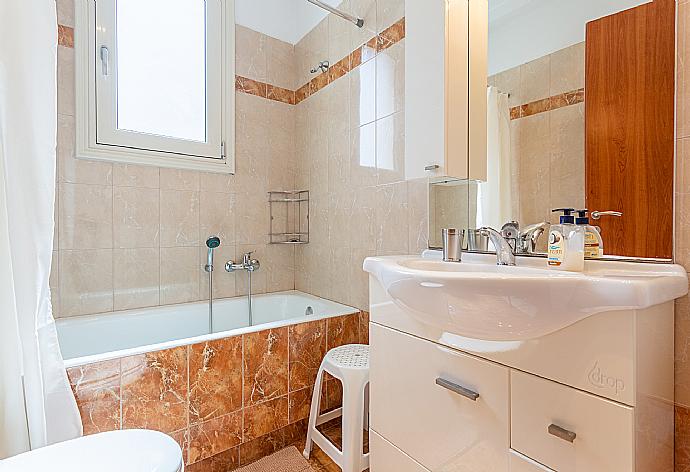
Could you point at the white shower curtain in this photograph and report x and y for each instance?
(36, 404)
(494, 197)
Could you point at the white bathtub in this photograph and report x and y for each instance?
(92, 338)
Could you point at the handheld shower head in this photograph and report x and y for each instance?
(212, 243)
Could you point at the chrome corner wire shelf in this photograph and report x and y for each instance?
(289, 212)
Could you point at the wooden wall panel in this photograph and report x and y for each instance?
(629, 123)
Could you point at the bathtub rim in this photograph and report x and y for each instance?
(122, 353)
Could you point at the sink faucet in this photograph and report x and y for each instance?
(528, 237)
(248, 264)
(504, 251)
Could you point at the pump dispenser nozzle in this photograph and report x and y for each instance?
(582, 218)
(567, 216)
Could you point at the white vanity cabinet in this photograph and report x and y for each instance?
(595, 396)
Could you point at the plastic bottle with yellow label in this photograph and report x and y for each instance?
(594, 244)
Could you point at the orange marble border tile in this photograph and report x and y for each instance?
(251, 87)
(65, 36)
(548, 104)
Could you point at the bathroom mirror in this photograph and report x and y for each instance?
(572, 122)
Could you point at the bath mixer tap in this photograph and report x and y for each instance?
(505, 254)
(248, 264)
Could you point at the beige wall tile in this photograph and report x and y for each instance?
(179, 179)
(359, 280)
(136, 217)
(180, 272)
(126, 175)
(251, 219)
(86, 282)
(74, 170)
(362, 232)
(279, 265)
(682, 229)
(365, 9)
(340, 213)
(682, 352)
(54, 283)
(281, 65)
(65, 81)
(215, 182)
(217, 216)
(683, 75)
(418, 204)
(250, 58)
(531, 144)
(388, 12)
(535, 79)
(568, 69)
(136, 278)
(340, 34)
(567, 162)
(179, 218)
(392, 227)
(65, 12)
(338, 120)
(509, 82)
(86, 216)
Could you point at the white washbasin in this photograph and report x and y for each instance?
(479, 299)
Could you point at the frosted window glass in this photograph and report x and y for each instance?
(161, 67)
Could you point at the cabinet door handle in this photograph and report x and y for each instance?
(562, 433)
(459, 389)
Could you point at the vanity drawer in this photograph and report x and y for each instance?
(423, 402)
(385, 457)
(567, 429)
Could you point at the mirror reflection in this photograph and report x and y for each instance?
(548, 145)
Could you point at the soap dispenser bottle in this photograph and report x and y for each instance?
(567, 243)
(594, 244)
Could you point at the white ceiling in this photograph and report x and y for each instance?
(287, 20)
(523, 30)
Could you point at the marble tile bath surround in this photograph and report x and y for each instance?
(227, 402)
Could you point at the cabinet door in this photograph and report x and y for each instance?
(445, 409)
(446, 44)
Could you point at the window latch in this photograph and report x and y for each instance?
(105, 59)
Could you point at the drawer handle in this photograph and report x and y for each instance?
(562, 433)
(453, 387)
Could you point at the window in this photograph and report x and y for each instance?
(155, 82)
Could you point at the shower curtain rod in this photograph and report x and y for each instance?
(353, 19)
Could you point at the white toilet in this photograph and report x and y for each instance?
(133, 450)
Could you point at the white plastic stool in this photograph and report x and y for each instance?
(349, 364)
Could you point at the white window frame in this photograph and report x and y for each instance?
(96, 134)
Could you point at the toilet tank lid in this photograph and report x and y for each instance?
(134, 450)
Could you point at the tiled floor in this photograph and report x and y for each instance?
(319, 461)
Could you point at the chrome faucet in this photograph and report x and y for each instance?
(505, 254)
(248, 264)
(528, 237)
